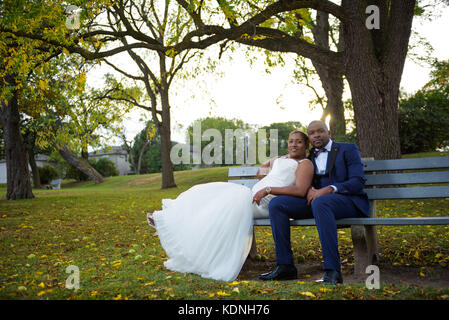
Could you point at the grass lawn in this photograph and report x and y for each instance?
(102, 230)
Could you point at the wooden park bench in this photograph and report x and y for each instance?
(386, 179)
(54, 184)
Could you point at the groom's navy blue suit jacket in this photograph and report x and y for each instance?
(344, 170)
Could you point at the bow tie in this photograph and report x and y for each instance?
(317, 151)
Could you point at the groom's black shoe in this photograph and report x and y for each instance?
(281, 272)
(331, 277)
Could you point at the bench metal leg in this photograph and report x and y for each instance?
(364, 239)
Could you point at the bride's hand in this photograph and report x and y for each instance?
(259, 195)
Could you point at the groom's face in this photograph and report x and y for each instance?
(318, 135)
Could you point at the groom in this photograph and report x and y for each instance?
(336, 192)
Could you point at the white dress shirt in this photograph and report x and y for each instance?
(321, 161)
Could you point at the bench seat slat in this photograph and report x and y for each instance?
(368, 221)
(407, 178)
(384, 193)
(406, 164)
(245, 182)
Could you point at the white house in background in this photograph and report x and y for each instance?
(118, 155)
(41, 160)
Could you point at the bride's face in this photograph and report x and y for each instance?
(296, 146)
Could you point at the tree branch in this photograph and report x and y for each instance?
(123, 72)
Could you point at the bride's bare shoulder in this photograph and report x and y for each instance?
(305, 163)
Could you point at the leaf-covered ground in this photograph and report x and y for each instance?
(102, 230)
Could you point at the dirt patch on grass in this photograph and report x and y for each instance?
(144, 180)
(434, 276)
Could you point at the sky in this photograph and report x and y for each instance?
(249, 93)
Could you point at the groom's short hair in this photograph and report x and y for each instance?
(320, 122)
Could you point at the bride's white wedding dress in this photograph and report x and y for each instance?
(207, 229)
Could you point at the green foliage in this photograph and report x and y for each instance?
(424, 117)
(74, 173)
(106, 167)
(47, 173)
(284, 129)
(424, 121)
(220, 124)
(150, 142)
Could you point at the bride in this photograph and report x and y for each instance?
(207, 230)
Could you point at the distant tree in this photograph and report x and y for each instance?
(143, 145)
(284, 128)
(424, 116)
(220, 124)
(47, 173)
(145, 152)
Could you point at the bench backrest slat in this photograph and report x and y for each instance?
(407, 178)
(244, 171)
(246, 175)
(406, 164)
(408, 193)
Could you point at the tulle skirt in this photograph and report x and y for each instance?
(207, 230)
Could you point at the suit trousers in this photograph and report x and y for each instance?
(325, 209)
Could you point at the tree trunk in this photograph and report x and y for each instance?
(34, 169)
(81, 164)
(168, 178)
(142, 151)
(17, 172)
(374, 75)
(335, 108)
(30, 146)
(85, 154)
(332, 81)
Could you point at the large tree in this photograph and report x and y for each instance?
(162, 22)
(372, 57)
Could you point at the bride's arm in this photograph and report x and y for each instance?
(265, 168)
(304, 176)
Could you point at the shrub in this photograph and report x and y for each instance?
(106, 167)
(47, 173)
(74, 173)
(424, 121)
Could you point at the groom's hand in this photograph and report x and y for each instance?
(313, 193)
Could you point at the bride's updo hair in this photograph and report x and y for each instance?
(304, 136)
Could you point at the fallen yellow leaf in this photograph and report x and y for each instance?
(308, 294)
